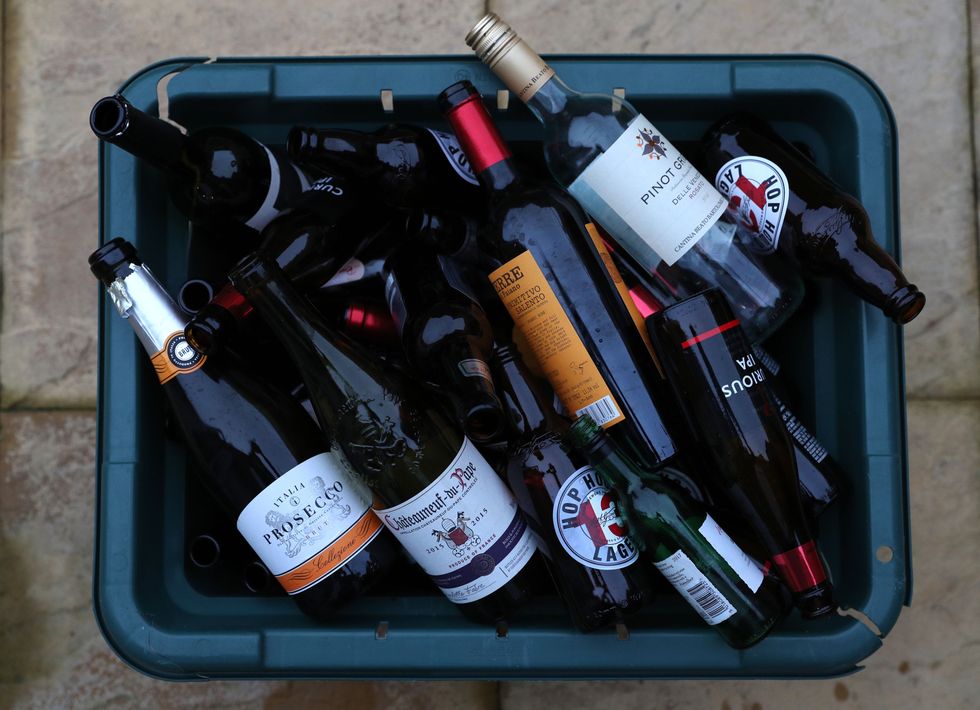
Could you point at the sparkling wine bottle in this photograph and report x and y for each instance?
(782, 202)
(595, 565)
(219, 177)
(716, 578)
(263, 459)
(635, 184)
(408, 166)
(433, 489)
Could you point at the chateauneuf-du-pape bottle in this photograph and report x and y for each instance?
(720, 582)
(219, 177)
(433, 489)
(639, 187)
(595, 565)
(783, 203)
(407, 166)
(558, 290)
(258, 452)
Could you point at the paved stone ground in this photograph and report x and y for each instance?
(59, 56)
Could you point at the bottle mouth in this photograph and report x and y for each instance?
(209, 329)
(194, 295)
(106, 260)
(455, 95)
(816, 602)
(109, 116)
(491, 38)
(484, 421)
(905, 304)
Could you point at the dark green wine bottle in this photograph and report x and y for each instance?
(720, 582)
(433, 489)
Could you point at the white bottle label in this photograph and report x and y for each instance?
(351, 271)
(758, 192)
(651, 187)
(455, 155)
(742, 564)
(308, 522)
(588, 523)
(699, 592)
(464, 529)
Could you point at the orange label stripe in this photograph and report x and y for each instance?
(332, 557)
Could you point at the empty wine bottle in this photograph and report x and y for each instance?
(433, 489)
(557, 289)
(259, 454)
(821, 478)
(716, 578)
(723, 391)
(408, 166)
(640, 188)
(219, 177)
(594, 564)
(446, 336)
(783, 203)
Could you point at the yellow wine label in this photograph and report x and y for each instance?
(522, 287)
(624, 292)
(178, 357)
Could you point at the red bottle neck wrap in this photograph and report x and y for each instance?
(232, 301)
(477, 135)
(801, 567)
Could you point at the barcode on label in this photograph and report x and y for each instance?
(711, 603)
(602, 411)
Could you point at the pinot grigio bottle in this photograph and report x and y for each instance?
(433, 489)
(639, 187)
(261, 456)
(219, 177)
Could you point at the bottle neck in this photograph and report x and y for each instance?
(483, 145)
(551, 99)
(348, 149)
(140, 299)
(323, 357)
(528, 401)
(115, 120)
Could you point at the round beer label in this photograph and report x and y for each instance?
(588, 523)
(758, 194)
(176, 358)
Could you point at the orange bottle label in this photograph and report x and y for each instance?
(522, 287)
(333, 556)
(178, 357)
(624, 292)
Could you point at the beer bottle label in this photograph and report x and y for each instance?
(743, 565)
(588, 523)
(464, 529)
(352, 270)
(177, 357)
(525, 292)
(309, 522)
(455, 155)
(644, 181)
(697, 589)
(757, 191)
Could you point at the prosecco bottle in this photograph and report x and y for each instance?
(724, 393)
(716, 578)
(260, 455)
(219, 177)
(639, 188)
(783, 203)
(595, 565)
(558, 290)
(408, 166)
(446, 335)
(433, 489)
